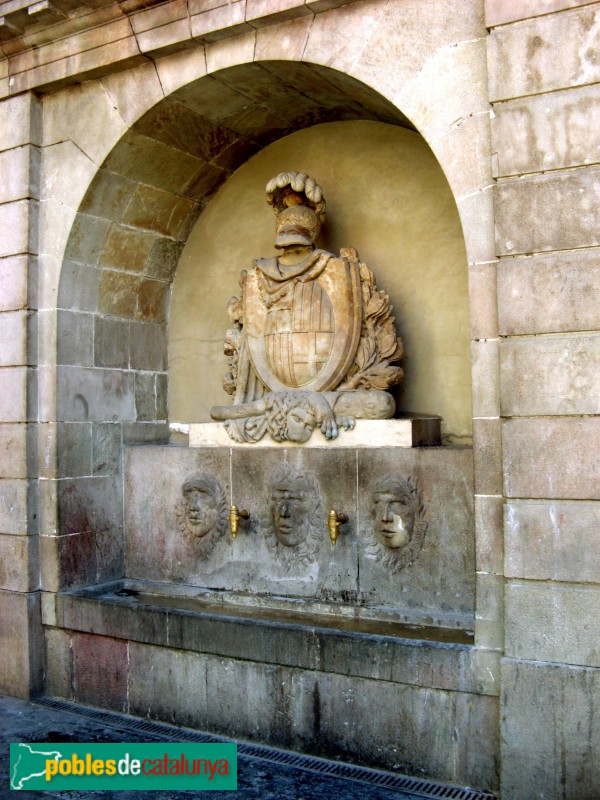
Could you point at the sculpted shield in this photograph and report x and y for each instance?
(306, 336)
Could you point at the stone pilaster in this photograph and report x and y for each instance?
(20, 631)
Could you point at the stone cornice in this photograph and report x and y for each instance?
(52, 43)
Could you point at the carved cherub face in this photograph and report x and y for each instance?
(301, 423)
(201, 508)
(290, 418)
(394, 518)
(292, 505)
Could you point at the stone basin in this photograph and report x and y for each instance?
(322, 678)
(230, 606)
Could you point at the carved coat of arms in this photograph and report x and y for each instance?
(313, 340)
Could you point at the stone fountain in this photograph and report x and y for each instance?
(307, 557)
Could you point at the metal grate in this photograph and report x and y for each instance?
(170, 733)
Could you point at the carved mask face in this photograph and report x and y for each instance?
(200, 511)
(394, 520)
(290, 510)
(300, 424)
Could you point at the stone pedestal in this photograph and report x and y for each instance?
(416, 430)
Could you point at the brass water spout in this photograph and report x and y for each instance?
(333, 524)
(234, 519)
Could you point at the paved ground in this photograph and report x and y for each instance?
(258, 777)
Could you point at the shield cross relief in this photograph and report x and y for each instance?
(309, 337)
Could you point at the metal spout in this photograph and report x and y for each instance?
(234, 519)
(333, 524)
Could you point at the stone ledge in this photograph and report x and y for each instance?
(415, 431)
(415, 655)
(97, 49)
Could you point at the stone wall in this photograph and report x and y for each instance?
(545, 96)
(101, 72)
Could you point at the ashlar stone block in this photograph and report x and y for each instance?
(20, 643)
(391, 733)
(85, 115)
(19, 169)
(555, 541)
(489, 534)
(118, 294)
(442, 478)
(126, 248)
(187, 131)
(453, 80)
(100, 671)
(157, 210)
(550, 731)
(566, 622)
(13, 451)
(549, 293)
(79, 287)
(86, 239)
(18, 222)
(156, 546)
(21, 121)
(148, 348)
(106, 448)
(545, 376)
(13, 335)
(180, 69)
(550, 131)
(152, 162)
(66, 173)
(499, 12)
(74, 448)
(111, 342)
(548, 212)
(18, 561)
(477, 216)
(260, 13)
(13, 394)
(90, 505)
(284, 41)
(152, 300)
(168, 685)
(75, 340)
(163, 259)
(221, 22)
(228, 683)
(212, 98)
(101, 395)
(483, 301)
(165, 38)
(59, 666)
(13, 283)
(487, 456)
(552, 458)
(556, 51)
(107, 196)
(485, 365)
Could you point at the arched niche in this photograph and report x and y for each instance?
(388, 197)
(122, 254)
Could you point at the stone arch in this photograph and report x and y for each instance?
(120, 258)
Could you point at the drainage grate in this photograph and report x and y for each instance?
(169, 733)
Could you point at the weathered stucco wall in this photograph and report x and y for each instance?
(387, 196)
